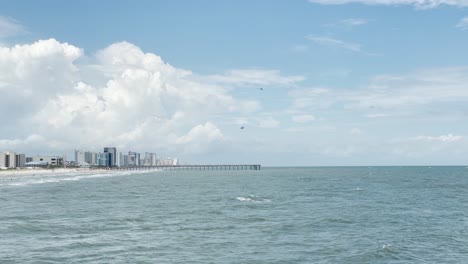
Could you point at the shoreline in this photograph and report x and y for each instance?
(50, 172)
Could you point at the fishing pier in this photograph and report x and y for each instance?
(190, 167)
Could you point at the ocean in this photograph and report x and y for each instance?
(275, 215)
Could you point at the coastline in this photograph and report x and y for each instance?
(50, 172)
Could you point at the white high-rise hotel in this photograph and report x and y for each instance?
(12, 160)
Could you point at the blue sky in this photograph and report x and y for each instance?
(351, 82)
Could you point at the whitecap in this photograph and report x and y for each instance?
(253, 198)
(244, 199)
(386, 246)
(42, 179)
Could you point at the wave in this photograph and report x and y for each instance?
(31, 180)
(253, 199)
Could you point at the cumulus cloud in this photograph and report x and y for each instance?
(200, 136)
(420, 4)
(123, 97)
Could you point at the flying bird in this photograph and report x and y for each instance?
(241, 127)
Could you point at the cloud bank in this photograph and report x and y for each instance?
(124, 97)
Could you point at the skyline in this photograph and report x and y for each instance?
(319, 83)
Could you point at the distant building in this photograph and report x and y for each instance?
(8, 160)
(85, 158)
(133, 159)
(36, 164)
(112, 156)
(90, 157)
(124, 160)
(167, 161)
(150, 159)
(117, 159)
(50, 160)
(20, 160)
(120, 161)
(102, 159)
(79, 157)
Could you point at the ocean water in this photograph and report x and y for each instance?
(276, 215)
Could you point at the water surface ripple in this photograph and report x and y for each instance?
(276, 215)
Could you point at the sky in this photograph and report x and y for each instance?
(312, 83)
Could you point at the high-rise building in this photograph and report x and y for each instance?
(133, 159)
(90, 157)
(20, 160)
(102, 159)
(150, 159)
(83, 157)
(8, 160)
(121, 162)
(117, 160)
(125, 160)
(112, 156)
(93, 158)
(80, 157)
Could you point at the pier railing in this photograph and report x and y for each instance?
(193, 167)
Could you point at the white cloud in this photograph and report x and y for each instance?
(303, 118)
(385, 96)
(449, 138)
(355, 131)
(10, 27)
(340, 151)
(254, 77)
(420, 4)
(421, 88)
(124, 97)
(463, 23)
(422, 148)
(328, 41)
(200, 137)
(269, 122)
(352, 22)
(305, 98)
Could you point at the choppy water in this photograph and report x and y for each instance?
(276, 215)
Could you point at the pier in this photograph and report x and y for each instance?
(190, 167)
